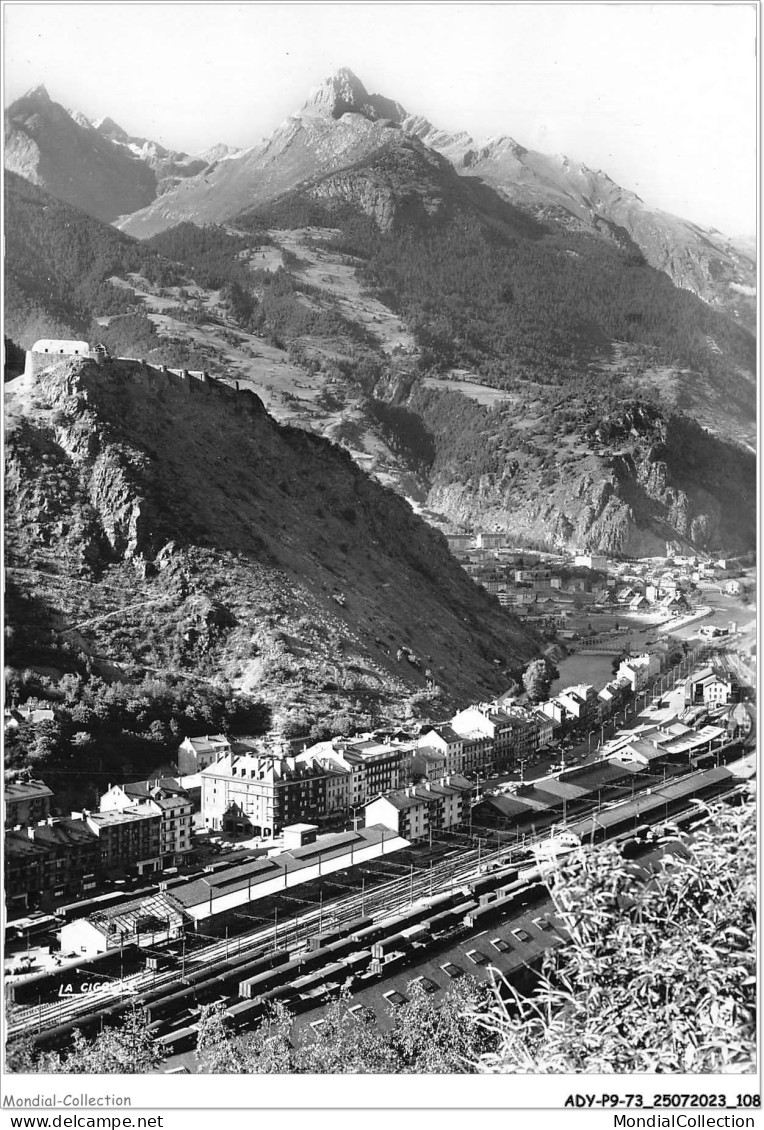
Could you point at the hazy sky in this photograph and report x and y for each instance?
(661, 96)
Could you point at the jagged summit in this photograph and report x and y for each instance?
(109, 128)
(78, 117)
(38, 92)
(60, 151)
(343, 88)
(344, 93)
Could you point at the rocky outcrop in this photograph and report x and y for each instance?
(664, 481)
(401, 182)
(282, 565)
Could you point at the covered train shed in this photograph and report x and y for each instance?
(213, 896)
(656, 804)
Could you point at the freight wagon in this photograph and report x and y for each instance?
(181, 1041)
(90, 1025)
(490, 882)
(526, 895)
(244, 1014)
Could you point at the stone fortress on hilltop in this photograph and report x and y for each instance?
(46, 353)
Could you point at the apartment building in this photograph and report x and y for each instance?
(173, 806)
(445, 740)
(195, 754)
(492, 722)
(129, 839)
(639, 669)
(26, 802)
(582, 705)
(50, 863)
(259, 795)
(419, 810)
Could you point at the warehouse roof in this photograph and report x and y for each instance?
(250, 878)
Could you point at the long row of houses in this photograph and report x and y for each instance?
(417, 784)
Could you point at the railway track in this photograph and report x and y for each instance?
(380, 902)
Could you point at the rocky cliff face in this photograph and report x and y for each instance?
(344, 93)
(140, 491)
(401, 182)
(647, 482)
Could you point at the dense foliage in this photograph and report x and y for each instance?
(660, 976)
(125, 1050)
(212, 256)
(512, 308)
(537, 679)
(125, 727)
(58, 263)
(528, 308)
(103, 727)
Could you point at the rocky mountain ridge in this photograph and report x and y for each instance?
(170, 166)
(269, 559)
(643, 485)
(529, 466)
(333, 127)
(96, 166)
(545, 353)
(45, 145)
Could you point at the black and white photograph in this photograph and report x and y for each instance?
(380, 576)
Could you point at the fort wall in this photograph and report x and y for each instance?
(191, 382)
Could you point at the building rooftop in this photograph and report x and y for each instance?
(201, 894)
(427, 753)
(126, 816)
(695, 740)
(400, 800)
(647, 750)
(639, 810)
(599, 775)
(137, 917)
(563, 789)
(64, 833)
(26, 790)
(169, 803)
(145, 788)
(510, 807)
(447, 732)
(210, 743)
